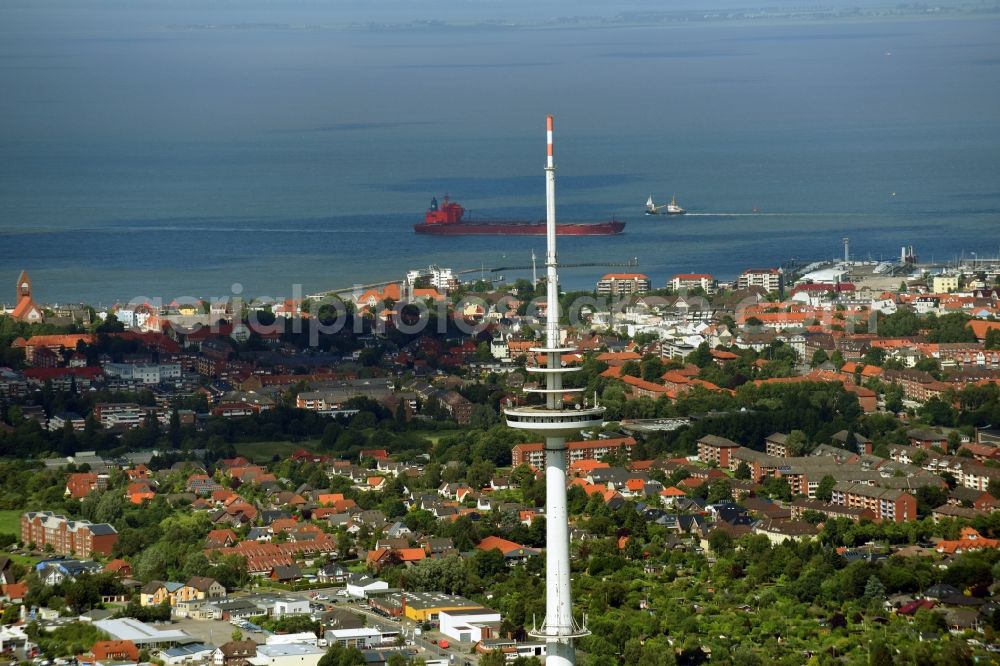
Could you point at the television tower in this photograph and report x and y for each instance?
(555, 421)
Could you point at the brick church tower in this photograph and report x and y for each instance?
(26, 308)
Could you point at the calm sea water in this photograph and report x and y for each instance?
(148, 159)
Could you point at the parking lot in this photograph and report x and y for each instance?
(214, 632)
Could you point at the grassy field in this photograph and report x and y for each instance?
(265, 451)
(10, 521)
(26, 560)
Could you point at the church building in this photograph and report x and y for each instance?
(26, 308)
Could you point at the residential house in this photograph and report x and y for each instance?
(155, 592)
(200, 587)
(234, 653)
(115, 651)
(332, 573)
(512, 552)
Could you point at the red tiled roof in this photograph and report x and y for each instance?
(587, 465)
(411, 554)
(117, 565)
(15, 591)
(69, 340)
(970, 540)
(981, 328)
(589, 488)
(24, 306)
(104, 650)
(644, 385)
(610, 357)
(503, 545)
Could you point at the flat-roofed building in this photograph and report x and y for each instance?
(182, 654)
(420, 606)
(620, 284)
(359, 637)
(140, 633)
(769, 279)
(291, 654)
(693, 281)
(469, 625)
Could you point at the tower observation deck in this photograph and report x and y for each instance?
(555, 421)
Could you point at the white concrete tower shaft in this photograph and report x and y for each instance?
(559, 625)
(555, 420)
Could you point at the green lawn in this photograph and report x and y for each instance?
(265, 451)
(10, 521)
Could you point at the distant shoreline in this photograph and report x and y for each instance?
(676, 18)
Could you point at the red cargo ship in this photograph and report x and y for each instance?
(447, 219)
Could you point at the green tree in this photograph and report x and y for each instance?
(956, 653)
(719, 490)
(174, 432)
(874, 589)
(778, 488)
(631, 368)
(651, 369)
(795, 443)
(479, 473)
(824, 491)
(720, 541)
(992, 340)
(11, 614)
(879, 653)
(494, 658)
(702, 356)
(110, 325)
(338, 655)
(894, 399)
